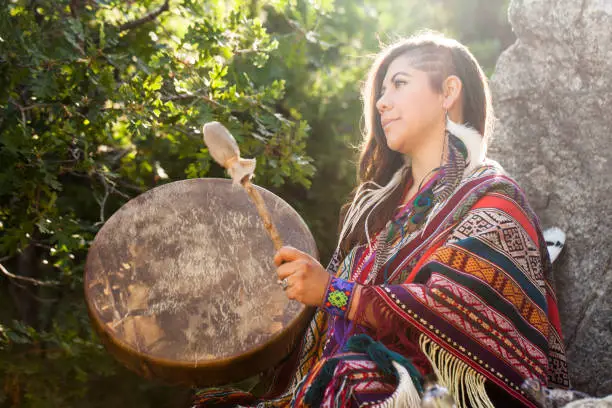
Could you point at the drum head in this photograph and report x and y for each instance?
(181, 285)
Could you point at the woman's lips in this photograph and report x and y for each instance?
(386, 122)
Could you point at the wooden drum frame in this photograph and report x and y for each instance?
(180, 284)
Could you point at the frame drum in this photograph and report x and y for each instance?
(181, 286)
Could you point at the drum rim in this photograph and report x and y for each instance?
(218, 363)
(204, 363)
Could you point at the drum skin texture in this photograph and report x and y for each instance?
(181, 286)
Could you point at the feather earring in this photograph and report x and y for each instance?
(466, 152)
(473, 142)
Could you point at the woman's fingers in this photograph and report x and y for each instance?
(306, 278)
(287, 254)
(291, 293)
(295, 287)
(287, 269)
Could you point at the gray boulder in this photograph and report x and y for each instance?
(552, 94)
(591, 403)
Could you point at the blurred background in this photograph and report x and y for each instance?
(102, 100)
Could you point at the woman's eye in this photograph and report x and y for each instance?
(399, 82)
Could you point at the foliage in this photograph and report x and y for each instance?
(104, 99)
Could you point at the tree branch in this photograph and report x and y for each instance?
(22, 110)
(149, 17)
(33, 296)
(181, 97)
(102, 201)
(27, 279)
(74, 8)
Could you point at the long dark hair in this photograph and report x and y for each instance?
(440, 57)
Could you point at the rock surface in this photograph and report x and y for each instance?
(592, 403)
(552, 94)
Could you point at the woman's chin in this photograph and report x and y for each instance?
(393, 144)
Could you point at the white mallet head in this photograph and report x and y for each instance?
(224, 149)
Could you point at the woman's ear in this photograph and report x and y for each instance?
(451, 90)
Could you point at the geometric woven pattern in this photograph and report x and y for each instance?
(505, 235)
(495, 277)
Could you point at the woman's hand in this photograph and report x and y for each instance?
(306, 278)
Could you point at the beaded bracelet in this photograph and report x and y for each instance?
(338, 296)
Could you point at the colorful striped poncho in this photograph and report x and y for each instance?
(467, 297)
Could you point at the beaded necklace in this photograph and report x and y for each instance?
(416, 211)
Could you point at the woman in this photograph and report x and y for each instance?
(441, 269)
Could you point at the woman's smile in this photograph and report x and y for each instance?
(386, 122)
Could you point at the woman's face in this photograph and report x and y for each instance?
(410, 110)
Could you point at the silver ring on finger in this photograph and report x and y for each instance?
(284, 283)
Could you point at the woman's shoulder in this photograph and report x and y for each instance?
(491, 178)
(489, 168)
(495, 195)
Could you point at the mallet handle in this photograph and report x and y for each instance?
(263, 212)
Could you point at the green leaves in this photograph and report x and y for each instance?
(94, 116)
(153, 83)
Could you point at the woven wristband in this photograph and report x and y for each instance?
(338, 296)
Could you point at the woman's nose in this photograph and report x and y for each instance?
(382, 104)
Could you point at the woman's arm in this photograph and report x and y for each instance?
(495, 237)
